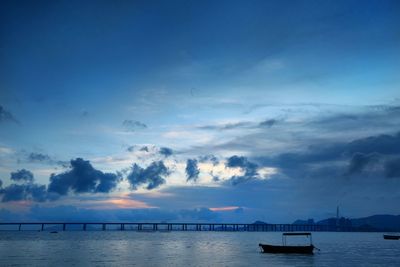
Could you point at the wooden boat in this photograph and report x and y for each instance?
(309, 249)
(391, 237)
(287, 249)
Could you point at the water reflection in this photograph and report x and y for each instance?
(189, 249)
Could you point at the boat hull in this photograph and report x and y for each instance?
(391, 237)
(287, 249)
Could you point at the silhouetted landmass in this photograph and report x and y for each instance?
(342, 222)
(305, 222)
(259, 222)
(384, 222)
(390, 223)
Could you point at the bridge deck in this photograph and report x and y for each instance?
(148, 226)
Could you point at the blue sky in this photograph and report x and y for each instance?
(199, 110)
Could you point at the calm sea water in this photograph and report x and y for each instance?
(117, 248)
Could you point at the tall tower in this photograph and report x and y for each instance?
(337, 213)
(337, 216)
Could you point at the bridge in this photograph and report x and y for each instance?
(166, 227)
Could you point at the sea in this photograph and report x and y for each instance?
(131, 248)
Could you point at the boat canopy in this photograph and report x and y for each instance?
(296, 234)
(306, 234)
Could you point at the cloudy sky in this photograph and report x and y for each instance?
(199, 110)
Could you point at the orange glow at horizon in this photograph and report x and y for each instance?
(228, 208)
(124, 203)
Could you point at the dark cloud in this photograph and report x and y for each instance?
(153, 176)
(320, 153)
(192, 170)
(359, 162)
(165, 151)
(13, 192)
(340, 118)
(243, 163)
(82, 178)
(241, 125)
(19, 192)
(25, 189)
(133, 126)
(22, 175)
(268, 123)
(392, 168)
(230, 126)
(368, 118)
(133, 148)
(349, 172)
(383, 144)
(209, 158)
(310, 132)
(144, 149)
(249, 168)
(314, 155)
(6, 116)
(38, 157)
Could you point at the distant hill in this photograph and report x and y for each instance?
(382, 222)
(259, 222)
(304, 222)
(370, 223)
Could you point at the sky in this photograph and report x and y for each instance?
(223, 111)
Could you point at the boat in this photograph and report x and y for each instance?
(308, 249)
(391, 237)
